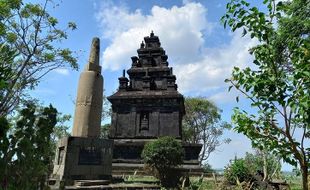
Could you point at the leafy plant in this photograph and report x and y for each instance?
(163, 156)
(202, 124)
(26, 147)
(29, 36)
(104, 130)
(197, 184)
(237, 171)
(278, 82)
(264, 162)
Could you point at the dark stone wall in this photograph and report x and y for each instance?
(146, 123)
(132, 150)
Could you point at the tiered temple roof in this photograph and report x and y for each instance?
(147, 104)
(149, 71)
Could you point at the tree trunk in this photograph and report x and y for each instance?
(304, 172)
(265, 165)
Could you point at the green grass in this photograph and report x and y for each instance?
(140, 178)
(208, 183)
(295, 183)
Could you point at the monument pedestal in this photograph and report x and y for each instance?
(127, 157)
(78, 158)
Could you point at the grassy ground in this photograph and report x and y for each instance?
(295, 182)
(208, 183)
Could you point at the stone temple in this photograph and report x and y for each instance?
(146, 106)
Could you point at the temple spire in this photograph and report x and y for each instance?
(142, 44)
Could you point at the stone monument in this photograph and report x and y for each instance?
(146, 106)
(84, 156)
(88, 105)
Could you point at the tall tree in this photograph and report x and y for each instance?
(32, 33)
(202, 124)
(26, 147)
(278, 84)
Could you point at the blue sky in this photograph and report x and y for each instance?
(201, 52)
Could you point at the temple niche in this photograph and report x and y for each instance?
(147, 104)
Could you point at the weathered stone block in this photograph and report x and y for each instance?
(83, 158)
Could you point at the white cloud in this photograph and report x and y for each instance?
(216, 65)
(182, 32)
(62, 71)
(224, 96)
(238, 146)
(180, 29)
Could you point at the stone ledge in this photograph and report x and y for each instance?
(117, 186)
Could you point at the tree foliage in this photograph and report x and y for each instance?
(106, 114)
(163, 156)
(60, 130)
(104, 130)
(26, 147)
(202, 124)
(248, 172)
(237, 171)
(106, 109)
(6, 55)
(265, 162)
(278, 84)
(28, 51)
(207, 168)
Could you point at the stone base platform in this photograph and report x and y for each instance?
(102, 185)
(120, 169)
(81, 158)
(127, 157)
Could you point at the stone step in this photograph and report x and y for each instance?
(134, 168)
(83, 183)
(128, 173)
(116, 187)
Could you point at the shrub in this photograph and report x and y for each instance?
(237, 170)
(255, 164)
(162, 157)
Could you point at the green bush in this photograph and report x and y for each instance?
(237, 170)
(162, 157)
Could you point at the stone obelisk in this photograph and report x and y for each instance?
(88, 108)
(85, 156)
